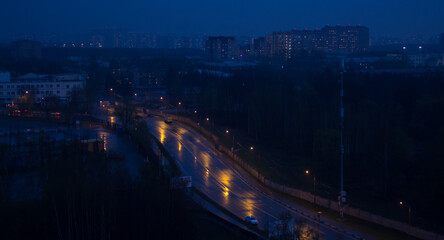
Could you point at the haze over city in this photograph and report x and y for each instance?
(396, 18)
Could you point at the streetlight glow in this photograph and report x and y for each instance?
(307, 172)
(227, 131)
(208, 119)
(251, 148)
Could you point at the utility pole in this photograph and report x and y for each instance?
(341, 113)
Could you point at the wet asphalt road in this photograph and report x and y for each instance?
(232, 188)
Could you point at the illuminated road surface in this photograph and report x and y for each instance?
(216, 176)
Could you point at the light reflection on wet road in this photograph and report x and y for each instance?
(215, 176)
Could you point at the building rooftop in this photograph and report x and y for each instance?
(32, 76)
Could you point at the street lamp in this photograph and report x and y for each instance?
(420, 56)
(232, 147)
(410, 216)
(404, 56)
(314, 188)
(251, 148)
(208, 119)
(177, 108)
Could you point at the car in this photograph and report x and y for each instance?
(168, 120)
(251, 220)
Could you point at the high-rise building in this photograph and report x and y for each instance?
(278, 44)
(347, 38)
(335, 39)
(258, 47)
(221, 48)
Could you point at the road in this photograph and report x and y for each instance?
(215, 175)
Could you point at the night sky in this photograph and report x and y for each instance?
(395, 18)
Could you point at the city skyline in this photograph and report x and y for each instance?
(397, 19)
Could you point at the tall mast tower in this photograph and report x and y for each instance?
(341, 197)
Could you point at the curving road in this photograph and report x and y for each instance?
(232, 188)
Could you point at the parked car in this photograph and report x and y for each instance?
(251, 220)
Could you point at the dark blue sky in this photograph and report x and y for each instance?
(230, 17)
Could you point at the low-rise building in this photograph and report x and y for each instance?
(39, 86)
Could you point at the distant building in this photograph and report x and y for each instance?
(346, 38)
(258, 47)
(26, 49)
(40, 86)
(110, 38)
(278, 44)
(221, 48)
(333, 39)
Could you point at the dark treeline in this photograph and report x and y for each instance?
(394, 130)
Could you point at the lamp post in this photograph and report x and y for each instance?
(177, 108)
(420, 56)
(111, 90)
(410, 216)
(314, 188)
(404, 56)
(232, 146)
